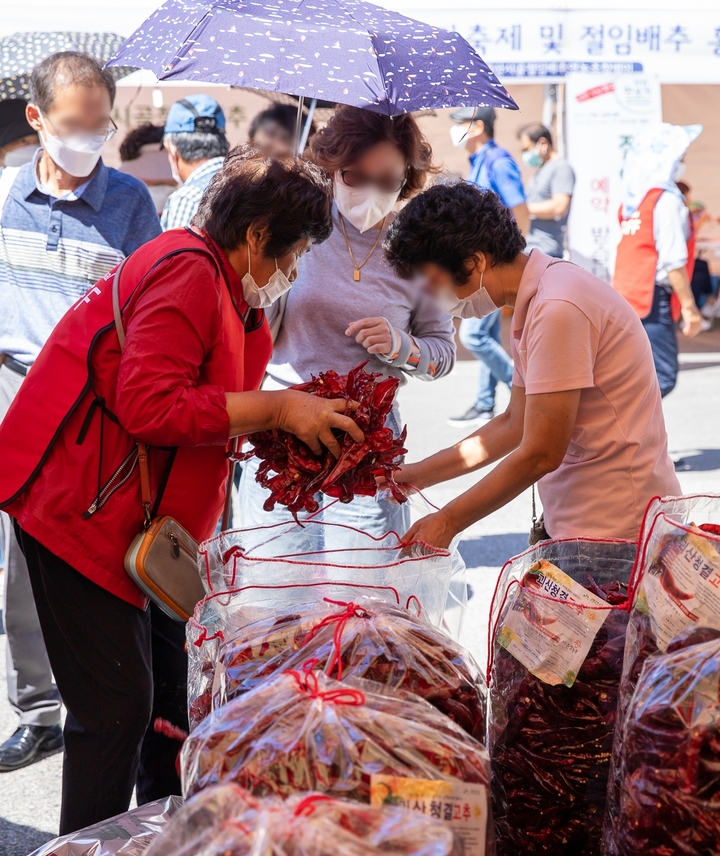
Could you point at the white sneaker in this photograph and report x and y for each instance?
(705, 325)
(710, 310)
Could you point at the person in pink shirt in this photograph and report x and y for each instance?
(585, 419)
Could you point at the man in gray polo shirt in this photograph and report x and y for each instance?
(65, 221)
(548, 192)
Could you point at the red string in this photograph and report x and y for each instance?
(352, 610)
(308, 805)
(308, 683)
(417, 601)
(203, 637)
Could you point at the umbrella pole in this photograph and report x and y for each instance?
(298, 123)
(306, 129)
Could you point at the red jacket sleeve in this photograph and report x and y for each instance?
(170, 329)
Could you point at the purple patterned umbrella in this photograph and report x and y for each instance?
(347, 51)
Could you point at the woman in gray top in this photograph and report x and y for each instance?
(346, 305)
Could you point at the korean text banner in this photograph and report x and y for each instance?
(680, 46)
(603, 113)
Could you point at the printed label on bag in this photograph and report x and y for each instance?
(681, 586)
(464, 807)
(551, 637)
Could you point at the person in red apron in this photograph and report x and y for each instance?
(656, 253)
(197, 344)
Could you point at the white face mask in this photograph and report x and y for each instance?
(677, 174)
(262, 296)
(364, 207)
(21, 155)
(459, 134)
(77, 155)
(478, 305)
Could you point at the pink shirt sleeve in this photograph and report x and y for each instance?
(562, 347)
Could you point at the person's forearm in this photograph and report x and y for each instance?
(509, 479)
(522, 217)
(550, 208)
(681, 286)
(487, 445)
(255, 411)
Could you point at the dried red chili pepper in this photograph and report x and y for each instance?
(294, 475)
(550, 746)
(368, 639)
(669, 760)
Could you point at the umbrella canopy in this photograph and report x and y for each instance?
(21, 52)
(346, 51)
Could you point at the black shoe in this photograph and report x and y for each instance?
(472, 417)
(29, 741)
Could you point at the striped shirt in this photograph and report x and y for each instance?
(52, 250)
(183, 203)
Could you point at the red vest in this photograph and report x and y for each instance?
(637, 257)
(60, 441)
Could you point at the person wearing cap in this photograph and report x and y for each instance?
(655, 255)
(18, 141)
(492, 168)
(66, 219)
(549, 191)
(196, 145)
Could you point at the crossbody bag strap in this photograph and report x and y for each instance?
(145, 496)
(142, 458)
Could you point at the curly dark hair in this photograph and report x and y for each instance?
(448, 225)
(292, 196)
(351, 132)
(144, 135)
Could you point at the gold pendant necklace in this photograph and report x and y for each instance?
(356, 272)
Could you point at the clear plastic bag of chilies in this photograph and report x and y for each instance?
(326, 554)
(127, 834)
(558, 624)
(669, 799)
(676, 585)
(366, 638)
(302, 731)
(229, 821)
(221, 615)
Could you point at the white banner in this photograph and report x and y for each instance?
(603, 114)
(681, 46)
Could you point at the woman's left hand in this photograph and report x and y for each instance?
(436, 529)
(373, 334)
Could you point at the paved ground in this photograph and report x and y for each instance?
(29, 799)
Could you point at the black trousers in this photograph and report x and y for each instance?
(117, 668)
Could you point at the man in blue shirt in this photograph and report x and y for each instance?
(196, 145)
(493, 168)
(65, 220)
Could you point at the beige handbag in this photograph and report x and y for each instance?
(162, 559)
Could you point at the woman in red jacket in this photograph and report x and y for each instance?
(196, 348)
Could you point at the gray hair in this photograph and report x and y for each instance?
(67, 68)
(198, 145)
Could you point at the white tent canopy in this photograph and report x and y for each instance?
(527, 40)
